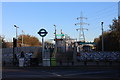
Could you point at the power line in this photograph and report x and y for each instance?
(104, 10)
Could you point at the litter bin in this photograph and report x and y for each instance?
(21, 62)
(53, 62)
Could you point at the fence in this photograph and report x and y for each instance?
(66, 59)
(7, 53)
(89, 58)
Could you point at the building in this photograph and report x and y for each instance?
(64, 43)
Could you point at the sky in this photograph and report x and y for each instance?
(119, 9)
(32, 16)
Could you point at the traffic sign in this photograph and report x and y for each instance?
(42, 32)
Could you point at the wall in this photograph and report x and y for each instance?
(7, 53)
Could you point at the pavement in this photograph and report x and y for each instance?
(61, 73)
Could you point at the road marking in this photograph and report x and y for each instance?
(52, 73)
(86, 73)
(26, 76)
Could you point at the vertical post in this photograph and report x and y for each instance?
(14, 45)
(16, 32)
(55, 34)
(14, 54)
(65, 43)
(102, 37)
(79, 33)
(75, 51)
(22, 38)
(42, 47)
(43, 55)
(13, 50)
(55, 40)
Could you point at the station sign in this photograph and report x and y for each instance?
(42, 32)
(60, 34)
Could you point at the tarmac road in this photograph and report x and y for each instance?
(60, 74)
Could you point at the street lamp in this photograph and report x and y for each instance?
(55, 31)
(55, 42)
(22, 37)
(16, 30)
(102, 37)
(15, 45)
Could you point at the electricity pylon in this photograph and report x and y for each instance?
(81, 29)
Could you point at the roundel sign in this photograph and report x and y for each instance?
(42, 32)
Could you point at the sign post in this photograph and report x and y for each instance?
(42, 47)
(43, 33)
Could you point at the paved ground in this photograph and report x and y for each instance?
(58, 73)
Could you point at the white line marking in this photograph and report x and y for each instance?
(52, 73)
(86, 73)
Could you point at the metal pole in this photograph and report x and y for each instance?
(55, 37)
(13, 51)
(55, 41)
(42, 47)
(14, 54)
(43, 51)
(55, 34)
(22, 37)
(65, 43)
(102, 37)
(79, 34)
(16, 32)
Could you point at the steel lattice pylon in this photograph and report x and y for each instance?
(81, 29)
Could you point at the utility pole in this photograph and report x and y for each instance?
(81, 29)
(102, 37)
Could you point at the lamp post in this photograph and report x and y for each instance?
(102, 37)
(55, 36)
(55, 42)
(22, 37)
(55, 32)
(15, 45)
(16, 30)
